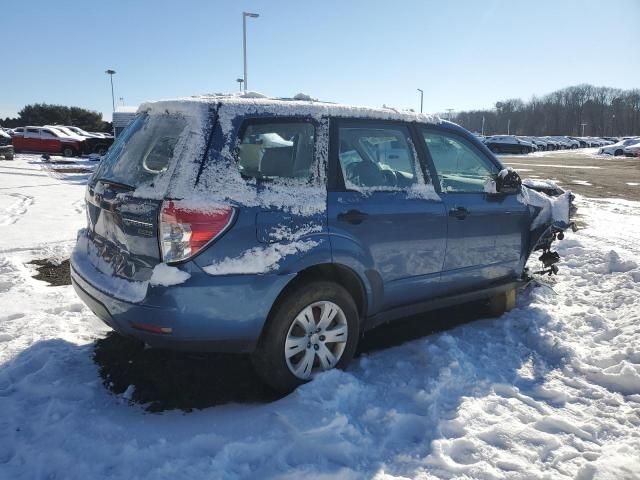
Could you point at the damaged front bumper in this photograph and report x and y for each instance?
(543, 237)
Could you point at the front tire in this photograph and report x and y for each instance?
(617, 153)
(68, 152)
(313, 329)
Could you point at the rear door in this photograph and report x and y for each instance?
(125, 194)
(383, 217)
(49, 141)
(487, 233)
(280, 155)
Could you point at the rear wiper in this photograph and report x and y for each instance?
(118, 185)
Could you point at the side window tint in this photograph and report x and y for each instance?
(377, 157)
(277, 150)
(460, 167)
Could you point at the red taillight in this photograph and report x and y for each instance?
(185, 230)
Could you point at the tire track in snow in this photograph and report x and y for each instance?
(17, 206)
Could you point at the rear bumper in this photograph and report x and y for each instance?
(205, 314)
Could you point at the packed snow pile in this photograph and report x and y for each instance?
(549, 390)
(167, 275)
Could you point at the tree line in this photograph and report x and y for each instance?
(39, 114)
(600, 111)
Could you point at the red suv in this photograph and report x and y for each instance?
(45, 140)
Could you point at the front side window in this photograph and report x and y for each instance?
(376, 157)
(460, 167)
(279, 149)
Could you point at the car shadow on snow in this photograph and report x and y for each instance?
(165, 380)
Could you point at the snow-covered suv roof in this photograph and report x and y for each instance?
(252, 102)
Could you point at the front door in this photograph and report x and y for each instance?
(486, 231)
(32, 140)
(384, 220)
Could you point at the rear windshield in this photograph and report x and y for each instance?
(143, 150)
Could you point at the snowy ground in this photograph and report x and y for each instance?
(550, 390)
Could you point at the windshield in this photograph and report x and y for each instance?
(143, 150)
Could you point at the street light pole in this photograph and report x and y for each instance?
(240, 80)
(449, 110)
(421, 98)
(482, 126)
(583, 125)
(509, 126)
(111, 73)
(244, 42)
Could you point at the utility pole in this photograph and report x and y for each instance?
(421, 98)
(583, 125)
(244, 42)
(111, 73)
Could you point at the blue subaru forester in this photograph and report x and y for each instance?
(286, 228)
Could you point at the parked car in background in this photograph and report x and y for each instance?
(583, 143)
(509, 144)
(6, 149)
(81, 132)
(46, 140)
(567, 142)
(288, 239)
(632, 150)
(66, 132)
(95, 143)
(541, 144)
(617, 149)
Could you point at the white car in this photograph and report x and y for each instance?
(618, 149)
(81, 132)
(66, 132)
(632, 150)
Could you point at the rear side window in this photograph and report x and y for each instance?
(144, 150)
(279, 149)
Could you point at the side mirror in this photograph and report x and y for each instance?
(508, 181)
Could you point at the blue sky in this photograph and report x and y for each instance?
(464, 54)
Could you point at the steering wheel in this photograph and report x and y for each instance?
(365, 174)
(391, 178)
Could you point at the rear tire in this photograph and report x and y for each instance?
(524, 151)
(275, 364)
(502, 302)
(617, 153)
(9, 156)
